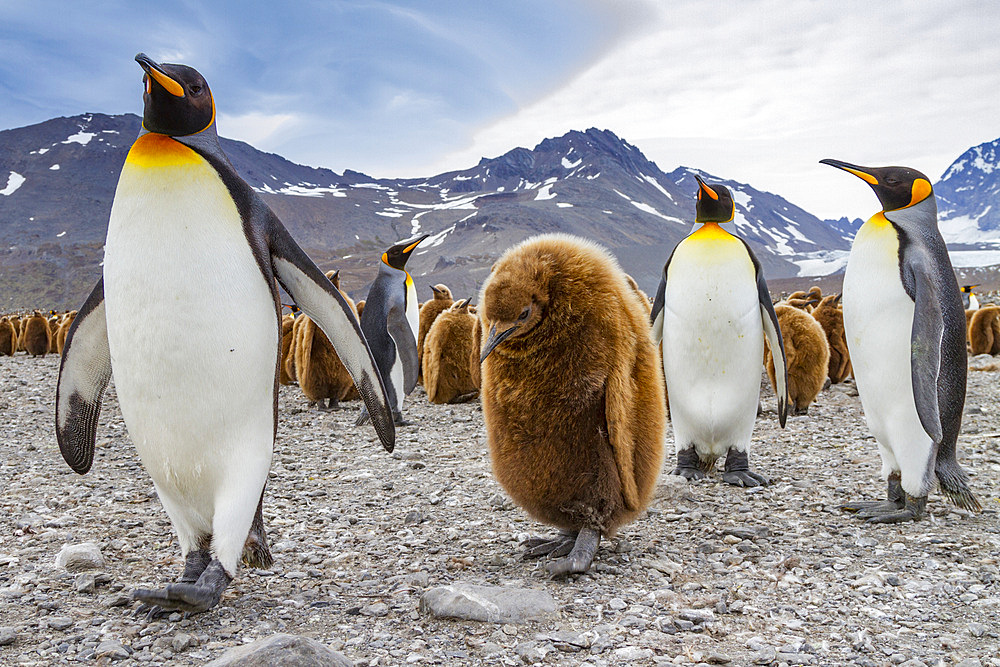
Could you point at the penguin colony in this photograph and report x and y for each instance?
(562, 349)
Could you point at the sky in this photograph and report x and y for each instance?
(757, 91)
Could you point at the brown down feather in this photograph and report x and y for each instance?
(8, 337)
(830, 316)
(429, 311)
(37, 337)
(807, 353)
(573, 402)
(63, 330)
(447, 350)
(984, 331)
(320, 372)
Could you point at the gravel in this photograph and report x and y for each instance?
(711, 574)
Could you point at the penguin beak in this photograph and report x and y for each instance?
(154, 71)
(410, 248)
(495, 339)
(864, 173)
(703, 187)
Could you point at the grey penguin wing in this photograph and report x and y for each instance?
(324, 304)
(406, 345)
(925, 341)
(772, 332)
(84, 372)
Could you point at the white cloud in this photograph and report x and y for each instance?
(256, 128)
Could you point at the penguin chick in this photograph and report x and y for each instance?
(8, 337)
(360, 307)
(448, 346)
(798, 294)
(63, 330)
(831, 317)
(429, 311)
(320, 372)
(807, 353)
(287, 324)
(984, 331)
(475, 365)
(37, 337)
(643, 297)
(572, 393)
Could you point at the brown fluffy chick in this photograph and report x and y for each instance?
(320, 372)
(808, 356)
(429, 311)
(447, 349)
(63, 330)
(287, 324)
(475, 365)
(831, 317)
(8, 337)
(360, 307)
(572, 393)
(984, 331)
(37, 336)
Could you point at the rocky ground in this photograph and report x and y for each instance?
(711, 574)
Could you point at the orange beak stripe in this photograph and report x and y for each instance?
(169, 84)
(867, 178)
(710, 192)
(410, 247)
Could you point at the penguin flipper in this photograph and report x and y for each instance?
(925, 344)
(326, 306)
(84, 372)
(619, 402)
(656, 315)
(406, 345)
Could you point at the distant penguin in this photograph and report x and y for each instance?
(63, 330)
(831, 317)
(906, 335)
(572, 393)
(448, 346)
(429, 311)
(37, 336)
(807, 355)
(969, 300)
(799, 294)
(806, 303)
(319, 370)
(360, 306)
(984, 331)
(390, 322)
(53, 320)
(8, 337)
(18, 324)
(198, 395)
(712, 312)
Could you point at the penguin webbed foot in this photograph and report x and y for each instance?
(196, 597)
(912, 510)
(690, 466)
(580, 557)
(869, 508)
(737, 471)
(332, 405)
(554, 547)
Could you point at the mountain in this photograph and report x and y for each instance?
(61, 176)
(967, 194)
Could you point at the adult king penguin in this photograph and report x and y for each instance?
(712, 311)
(391, 321)
(199, 397)
(907, 344)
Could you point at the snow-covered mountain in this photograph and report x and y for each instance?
(57, 181)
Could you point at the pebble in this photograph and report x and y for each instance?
(60, 622)
(487, 603)
(282, 649)
(111, 649)
(8, 635)
(85, 582)
(78, 557)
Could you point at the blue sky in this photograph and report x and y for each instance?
(755, 90)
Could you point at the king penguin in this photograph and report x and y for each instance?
(712, 312)
(969, 299)
(199, 398)
(907, 344)
(391, 321)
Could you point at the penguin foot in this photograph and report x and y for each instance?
(690, 466)
(738, 473)
(195, 564)
(555, 547)
(194, 598)
(465, 398)
(581, 556)
(870, 508)
(398, 420)
(332, 405)
(745, 478)
(913, 510)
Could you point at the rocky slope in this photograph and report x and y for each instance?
(710, 574)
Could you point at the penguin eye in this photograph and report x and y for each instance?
(524, 314)
(196, 89)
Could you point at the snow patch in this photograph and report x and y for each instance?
(656, 184)
(974, 258)
(54, 167)
(60, 235)
(81, 137)
(545, 193)
(743, 199)
(571, 165)
(14, 181)
(437, 239)
(823, 263)
(563, 204)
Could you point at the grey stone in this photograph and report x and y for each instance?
(765, 656)
(60, 622)
(969, 662)
(7, 635)
(630, 653)
(282, 651)
(111, 649)
(80, 557)
(490, 604)
(377, 609)
(181, 642)
(85, 583)
(977, 629)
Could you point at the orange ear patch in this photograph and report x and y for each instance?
(920, 191)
